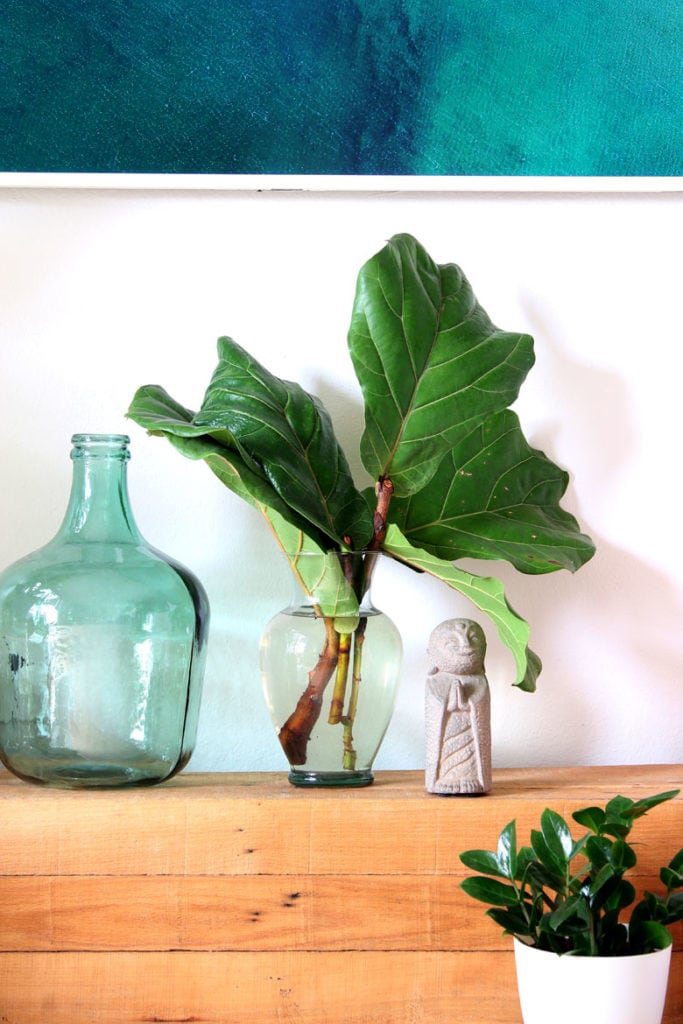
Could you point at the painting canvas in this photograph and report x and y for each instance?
(342, 87)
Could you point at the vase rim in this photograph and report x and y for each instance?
(100, 445)
(583, 958)
(331, 551)
(87, 438)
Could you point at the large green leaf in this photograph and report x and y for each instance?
(154, 409)
(571, 916)
(320, 573)
(284, 432)
(506, 851)
(489, 890)
(555, 865)
(514, 920)
(641, 807)
(484, 861)
(493, 496)
(590, 817)
(650, 935)
(431, 364)
(270, 442)
(486, 592)
(557, 835)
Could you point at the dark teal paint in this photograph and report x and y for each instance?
(462, 87)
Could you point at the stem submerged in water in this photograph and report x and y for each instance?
(295, 733)
(335, 656)
(339, 695)
(349, 759)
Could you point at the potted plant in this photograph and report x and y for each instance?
(453, 477)
(563, 901)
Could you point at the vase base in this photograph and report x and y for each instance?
(330, 780)
(75, 772)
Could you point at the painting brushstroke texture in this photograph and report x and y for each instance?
(342, 87)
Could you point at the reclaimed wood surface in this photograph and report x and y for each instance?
(236, 898)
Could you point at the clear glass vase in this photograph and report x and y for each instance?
(102, 642)
(330, 670)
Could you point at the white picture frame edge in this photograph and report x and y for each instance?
(340, 183)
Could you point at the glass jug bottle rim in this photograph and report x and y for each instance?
(100, 445)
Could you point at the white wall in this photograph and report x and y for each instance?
(102, 291)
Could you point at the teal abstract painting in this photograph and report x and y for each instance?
(342, 87)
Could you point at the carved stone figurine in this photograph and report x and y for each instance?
(457, 710)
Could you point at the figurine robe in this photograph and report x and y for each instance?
(457, 711)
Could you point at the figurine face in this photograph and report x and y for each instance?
(458, 646)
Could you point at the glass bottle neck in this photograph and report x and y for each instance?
(98, 508)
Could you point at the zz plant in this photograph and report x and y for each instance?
(567, 895)
(453, 475)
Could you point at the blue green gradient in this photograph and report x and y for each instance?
(428, 87)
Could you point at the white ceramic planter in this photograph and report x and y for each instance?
(595, 990)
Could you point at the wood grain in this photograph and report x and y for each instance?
(259, 824)
(256, 988)
(237, 898)
(295, 912)
(389, 988)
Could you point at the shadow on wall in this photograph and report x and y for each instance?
(586, 400)
(637, 607)
(614, 628)
(609, 639)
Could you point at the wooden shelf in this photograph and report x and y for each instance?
(236, 898)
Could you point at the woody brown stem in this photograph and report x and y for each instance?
(384, 490)
(295, 733)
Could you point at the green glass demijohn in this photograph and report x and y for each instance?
(102, 642)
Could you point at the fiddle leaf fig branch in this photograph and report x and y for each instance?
(286, 434)
(430, 363)
(454, 475)
(153, 408)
